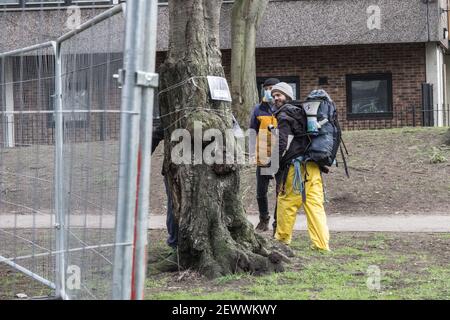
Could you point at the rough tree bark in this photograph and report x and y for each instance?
(215, 237)
(245, 19)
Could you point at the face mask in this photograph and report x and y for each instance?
(268, 96)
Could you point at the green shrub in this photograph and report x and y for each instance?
(437, 156)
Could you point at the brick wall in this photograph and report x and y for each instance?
(406, 62)
(33, 89)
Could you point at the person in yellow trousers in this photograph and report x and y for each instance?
(300, 182)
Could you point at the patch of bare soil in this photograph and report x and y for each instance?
(392, 171)
(396, 171)
(447, 138)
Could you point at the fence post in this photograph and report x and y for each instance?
(414, 115)
(129, 145)
(4, 118)
(8, 103)
(149, 15)
(59, 178)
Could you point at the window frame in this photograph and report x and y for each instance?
(287, 79)
(389, 114)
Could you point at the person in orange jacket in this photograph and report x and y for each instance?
(261, 121)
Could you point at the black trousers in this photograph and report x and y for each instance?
(172, 226)
(262, 188)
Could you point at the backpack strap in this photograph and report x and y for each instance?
(345, 162)
(298, 184)
(345, 147)
(324, 187)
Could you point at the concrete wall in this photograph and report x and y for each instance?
(286, 23)
(336, 22)
(447, 72)
(22, 29)
(442, 14)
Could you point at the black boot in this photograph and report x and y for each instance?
(274, 225)
(264, 217)
(263, 224)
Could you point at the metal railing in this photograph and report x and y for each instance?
(438, 115)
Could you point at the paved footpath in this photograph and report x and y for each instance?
(363, 223)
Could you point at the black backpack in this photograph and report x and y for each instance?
(324, 130)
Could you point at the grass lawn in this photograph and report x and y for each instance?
(393, 171)
(411, 266)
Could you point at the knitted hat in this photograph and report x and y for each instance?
(271, 82)
(285, 89)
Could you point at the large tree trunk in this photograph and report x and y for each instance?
(246, 17)
(215, 237)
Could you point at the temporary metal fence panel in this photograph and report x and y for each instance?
(140, 82)
(71, 141)
(27, 168)
(91, 116)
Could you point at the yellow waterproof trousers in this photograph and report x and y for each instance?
(290, 201)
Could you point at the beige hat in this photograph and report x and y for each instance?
(285, 89)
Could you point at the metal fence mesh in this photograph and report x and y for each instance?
(27, 169)
(91, 103)
(91, 116)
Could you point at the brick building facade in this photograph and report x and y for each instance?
(375, 75)
(335, 64)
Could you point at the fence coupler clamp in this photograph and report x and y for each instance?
(142, 79)
(120, 77)
(147, 79)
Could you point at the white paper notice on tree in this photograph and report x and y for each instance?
(219, 89)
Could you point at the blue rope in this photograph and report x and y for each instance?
(298, 184)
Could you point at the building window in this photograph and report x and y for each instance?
(369, 96)
(77, 104)
(294, 82)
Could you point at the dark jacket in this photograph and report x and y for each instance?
(291, 122)
(158, 134)
(158, 130)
